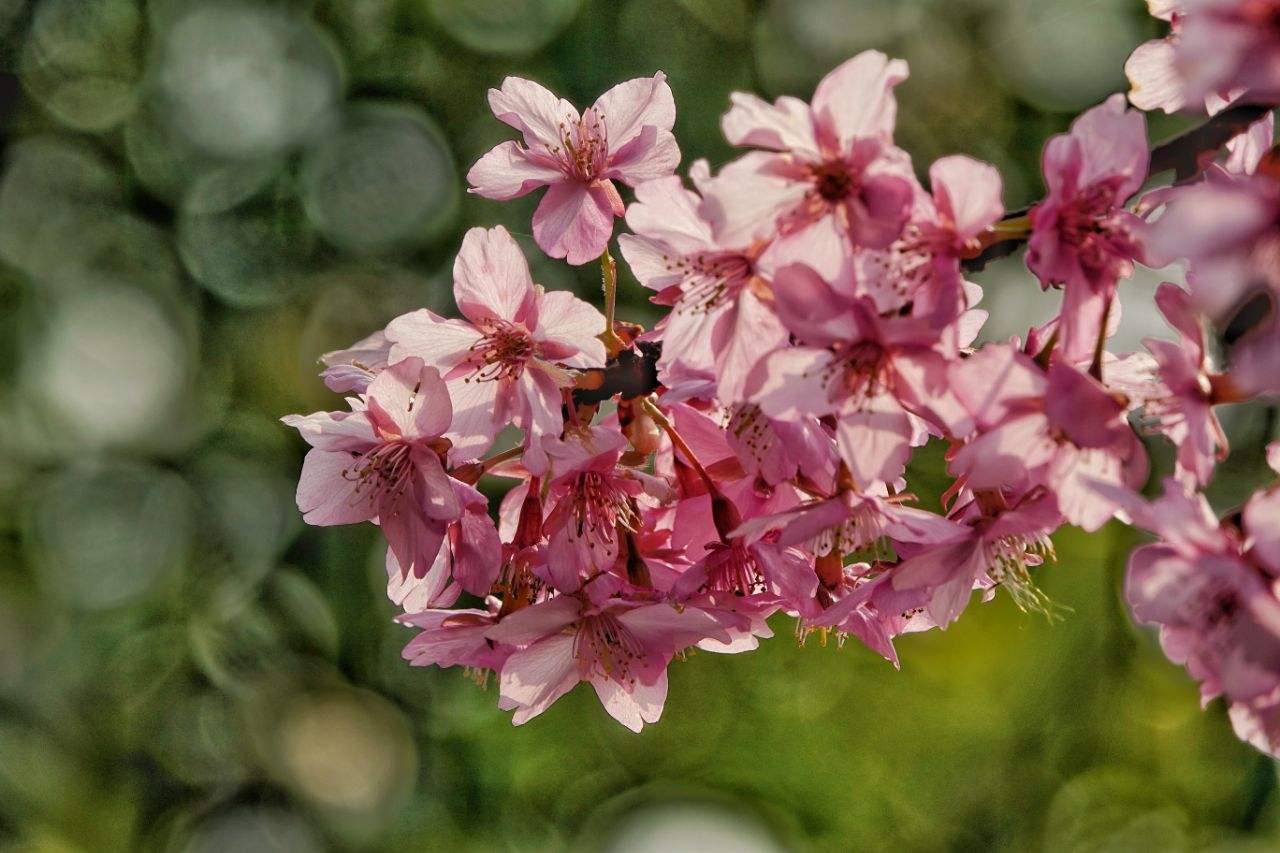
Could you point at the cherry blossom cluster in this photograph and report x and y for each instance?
(672, 489)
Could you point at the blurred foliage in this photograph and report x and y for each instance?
(200, 196)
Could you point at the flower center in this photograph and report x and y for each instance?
(708, 277)
(501, 353)
(832, 180)
(599, 507)
(583, 151)
(604, 646)
(732, 569)
(384, 470)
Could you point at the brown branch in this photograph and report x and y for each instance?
(631, 373)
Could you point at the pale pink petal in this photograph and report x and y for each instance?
(436, 497)
(797, 381)
(328, 494)
(784, 125)
(1081, 408)
(1006, 454)
(478, 554)
(996, 380)
(1072, 475)
(571, 327)
(1154, 81)
(415, 539)
(491, 276)
(416, 594)
(1247, 149)
(441, 343)
(855, 100)
(474, 426)
(334, 430)
(541, 415)
(967, 192)
(508, 171)
(574, 222)
(662, 626)
(629, 107)
(414, 397)
(634, 705)
(948, 571)
(743, 202)
(1116, 141)
(651, 155)
(532, 623)
(534, 678)
(875, 442)
(667, 212)
(1175, 304)
(754, 332)
(650, 261)
(532, 110)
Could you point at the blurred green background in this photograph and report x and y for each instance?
(200, 196)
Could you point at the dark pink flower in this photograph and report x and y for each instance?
(720, 319)
(624, 136)
(621, 648)
(1082, 237)
(505, 361)
(1185, 413)
(830, 171)
(1060, 429)
(883, 378)
(1228, 229)
(1229, 45)
(383, 462)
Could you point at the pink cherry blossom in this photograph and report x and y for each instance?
(1060, 429)
(455, 638)
(382, 462)
(593, 504)
(624, 136)
(1082, 237)
(352, 369)
(1226, 228)
(721, 320)
(829, 170)
(506, 361)
(877, 375)
(1185, 413)
(1003, 540)
(621, 649)
(1229, 45)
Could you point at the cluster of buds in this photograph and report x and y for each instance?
(675, 488)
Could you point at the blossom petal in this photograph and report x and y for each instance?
(629, 107)
(328, 494)
(574, 222)
(968, 192)
(532, 110)
(855, 100)
(784, 125)
(572, 326)
(491, 276)
(507, 171)
(425, 334)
